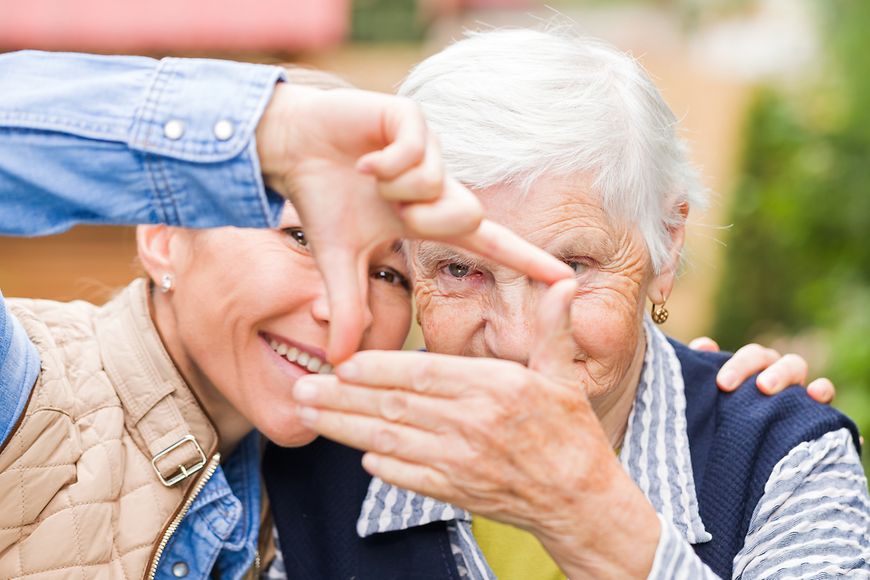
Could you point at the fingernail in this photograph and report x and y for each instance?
(728, 380)
(307, 415)
(304, 390)
(348, 371)
(767, 382)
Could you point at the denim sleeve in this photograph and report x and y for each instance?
(128, 140)
(122, 140)
(19, 367)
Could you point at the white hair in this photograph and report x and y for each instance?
(511, 106)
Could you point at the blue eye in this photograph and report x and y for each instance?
(458, 270)
(577, 266)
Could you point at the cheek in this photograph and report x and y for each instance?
(391, 321)
(448, 325)
(601, 332)
(607, 329)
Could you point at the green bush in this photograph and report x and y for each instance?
(798, 256)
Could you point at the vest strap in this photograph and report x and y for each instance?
(151, 392)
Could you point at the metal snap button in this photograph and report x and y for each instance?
(173, 130)
(180, 569)
(223, 130)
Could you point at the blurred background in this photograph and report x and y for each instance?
(772, 96)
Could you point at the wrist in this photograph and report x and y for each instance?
(609, 532)
(274, 137)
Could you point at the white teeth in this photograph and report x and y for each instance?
(303, 359)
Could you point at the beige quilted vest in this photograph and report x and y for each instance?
(111, 450)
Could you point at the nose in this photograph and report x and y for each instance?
(509, 328)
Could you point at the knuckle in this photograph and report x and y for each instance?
(415, 148)
(430, 184)
(796, 362)
(472, 213)
(394, 406)
(385, 441)
(753, 349)
(430, 480)
(421, 377)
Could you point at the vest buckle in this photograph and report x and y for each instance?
(184, 471)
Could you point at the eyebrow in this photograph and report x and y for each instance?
(596, 246)
(430, 254)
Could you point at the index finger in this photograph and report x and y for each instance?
(436, 375)
(498, 243)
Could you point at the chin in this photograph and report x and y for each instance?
(294, 437)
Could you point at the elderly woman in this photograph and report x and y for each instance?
(566, 412)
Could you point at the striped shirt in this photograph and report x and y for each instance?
(813, 519)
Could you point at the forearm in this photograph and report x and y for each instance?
(125, 140)
(617, 536)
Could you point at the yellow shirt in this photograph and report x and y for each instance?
(512, 553)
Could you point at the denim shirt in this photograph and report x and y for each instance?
(122, 140)
(219, 534)
(132, 140)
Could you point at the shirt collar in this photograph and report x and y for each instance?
(388, 508)
(655, 453)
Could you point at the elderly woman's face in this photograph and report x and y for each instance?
(251, 314)
(474, 308)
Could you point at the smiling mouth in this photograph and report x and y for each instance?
(299, 357)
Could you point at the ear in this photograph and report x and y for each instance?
(152, 244)
(663, 282)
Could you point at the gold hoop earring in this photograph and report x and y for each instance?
(659, 313)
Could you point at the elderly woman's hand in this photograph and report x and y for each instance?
(361, 169)
(776, 371)
(520, 445)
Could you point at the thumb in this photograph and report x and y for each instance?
(341, 275)
(553, 351)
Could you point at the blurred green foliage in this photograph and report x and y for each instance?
(386, 21)
(798, 256)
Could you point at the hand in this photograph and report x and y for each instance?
(519, 445)
(362, 169)
(776, 371)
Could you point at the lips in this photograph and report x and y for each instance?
(300, 356)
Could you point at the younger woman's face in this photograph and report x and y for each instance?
(251, 316)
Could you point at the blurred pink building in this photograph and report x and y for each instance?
(179, 25)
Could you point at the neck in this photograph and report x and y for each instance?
(231, 426)
(614, 408)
